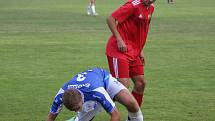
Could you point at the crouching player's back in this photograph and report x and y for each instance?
(90, 91)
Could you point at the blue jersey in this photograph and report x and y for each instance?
(92, 84)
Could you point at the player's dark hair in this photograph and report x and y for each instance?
(71, 98)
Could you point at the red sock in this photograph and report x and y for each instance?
(138, 97)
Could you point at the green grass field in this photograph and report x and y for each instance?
(44, 42)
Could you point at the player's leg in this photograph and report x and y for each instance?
(93, 7)
(119, 68)
(89, 10)
(139, 87)
(121, 94)
(125, 98)
(137, 72)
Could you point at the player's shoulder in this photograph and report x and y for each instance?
(135, 2)
(99, 91)
(151, 8)
(152, 5)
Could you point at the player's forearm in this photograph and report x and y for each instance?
(115, 116)
(114, 119)
(51, 117)
(112, 25)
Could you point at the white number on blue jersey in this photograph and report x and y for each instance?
(81, 76)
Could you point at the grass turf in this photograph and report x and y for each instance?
(44, 43)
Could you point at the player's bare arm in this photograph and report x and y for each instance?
(142, 57)
(112, 23)
(115, 116)
(51, 117)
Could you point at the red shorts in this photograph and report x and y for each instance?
(122, 68)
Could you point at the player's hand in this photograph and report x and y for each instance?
(142, 58)
(121, 45)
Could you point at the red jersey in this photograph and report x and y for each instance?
(133, 24)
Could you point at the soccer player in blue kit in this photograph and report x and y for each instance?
(90, 91)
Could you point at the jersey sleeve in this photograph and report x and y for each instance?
(104, 99)
(151, 9)
(123, 12)
(57, 103)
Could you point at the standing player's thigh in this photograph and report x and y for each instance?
(136, 68)
(119, 68)
(87, 116)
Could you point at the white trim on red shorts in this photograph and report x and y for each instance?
(115, 67)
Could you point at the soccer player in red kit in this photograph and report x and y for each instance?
(129, 25)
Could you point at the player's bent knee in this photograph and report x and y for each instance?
(132, 105)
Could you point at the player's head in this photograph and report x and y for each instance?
(148, 2)
(72, 99)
